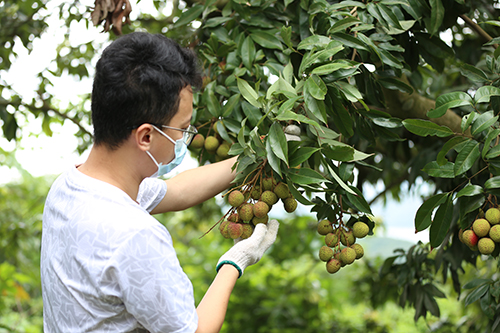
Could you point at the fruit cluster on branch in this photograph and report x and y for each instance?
(484, 234)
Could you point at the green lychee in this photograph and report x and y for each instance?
(324, 227)
(224, 230)
(495, 233)
(236, 198)
(470, 238)
(233, 218)
(245, 211)
(260, 209)
(268, 184)
(331, 239)
(198, 141)
(211, 144)
(281, 190)
(347, 237)
(257, 220)
(336, 255)
(360, 229)
(235, 230)
(290, 205)
(360, 252)
(347, 255)
(223, 150)
(269, 197)
(333, 265)
(247, 231)
(493, 215)
(486, 245)
(481, 227)
(325, 253)
(255, 193)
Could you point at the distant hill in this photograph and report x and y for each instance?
(383, 246)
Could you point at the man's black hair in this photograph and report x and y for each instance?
(138, 80)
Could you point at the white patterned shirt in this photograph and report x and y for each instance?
(107, 265)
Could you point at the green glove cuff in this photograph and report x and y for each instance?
(229, 263)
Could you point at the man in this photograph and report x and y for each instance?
(107, 265)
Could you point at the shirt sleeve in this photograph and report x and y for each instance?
(154, 288)
(151, 192)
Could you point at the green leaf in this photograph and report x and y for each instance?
(343, 24)
(330, 68)
(493, 152)
(358, 201)
(305, 176)
(467, 120)
(467, 157)
(301, 155)
(434, 169)
(491, 183)
(441, 222)
(316, 87)
(350, 92)
(339, 153)
(475, 283)
(387, 122)
(247, 52)
(449, 145)
(473, 73)
(286, 34)
(469, 190)
(395, 84)
(231, 103)
(296, 194)
(424, 212)
(338, 180)
(425, 127)
(448, 101)
(350, 41)
(289, 115)
(492, 134)
(272, 159)
(266, 39)
(483, 122)
(278, 142)
(248, 92)
(476, 294)
(314, 41)
(281, 85)
(389, 16)
(189, 15)
(437, 15)
(484, 93)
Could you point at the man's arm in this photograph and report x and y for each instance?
(212, 308)
(194, 186)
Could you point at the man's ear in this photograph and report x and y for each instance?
(143, 137)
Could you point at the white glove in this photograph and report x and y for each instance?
(246, 252)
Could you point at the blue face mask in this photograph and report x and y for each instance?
(180, 150)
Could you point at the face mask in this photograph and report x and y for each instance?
(180, 150)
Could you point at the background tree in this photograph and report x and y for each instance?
(390, 91)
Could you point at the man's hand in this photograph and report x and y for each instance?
(248, 251)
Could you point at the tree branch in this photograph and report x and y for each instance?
(474, 26)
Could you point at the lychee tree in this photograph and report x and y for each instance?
(375, 91)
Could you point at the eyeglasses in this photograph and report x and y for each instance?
(188, 134)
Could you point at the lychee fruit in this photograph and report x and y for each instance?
(493, 215)
(257, 220)
(360, 229)
(486, 245)
(224, 230)
(223, 150)
(268, 184)
(495, 233)
(481, 227)
(245, 211)
(331, 239)
(290, 205)
(235, 230)
(460, 234)
(325, 253)
(336, 255)
(333, 265)
(470, 238)
(233, 218)
(211, 144)
(360, 252)
(347, 237)
(260, 209)
(281, 190)
(247, 231)
(236, 198)
(324, 227)
(255, 193)
(198, 141)
(347, 255)
(269, 197)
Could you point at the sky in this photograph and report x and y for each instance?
(41, 155)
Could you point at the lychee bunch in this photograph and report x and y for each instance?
(340, 247)
(212, 144)
(251, 203)
(484, 234)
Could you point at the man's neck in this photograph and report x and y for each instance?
(112, 167)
